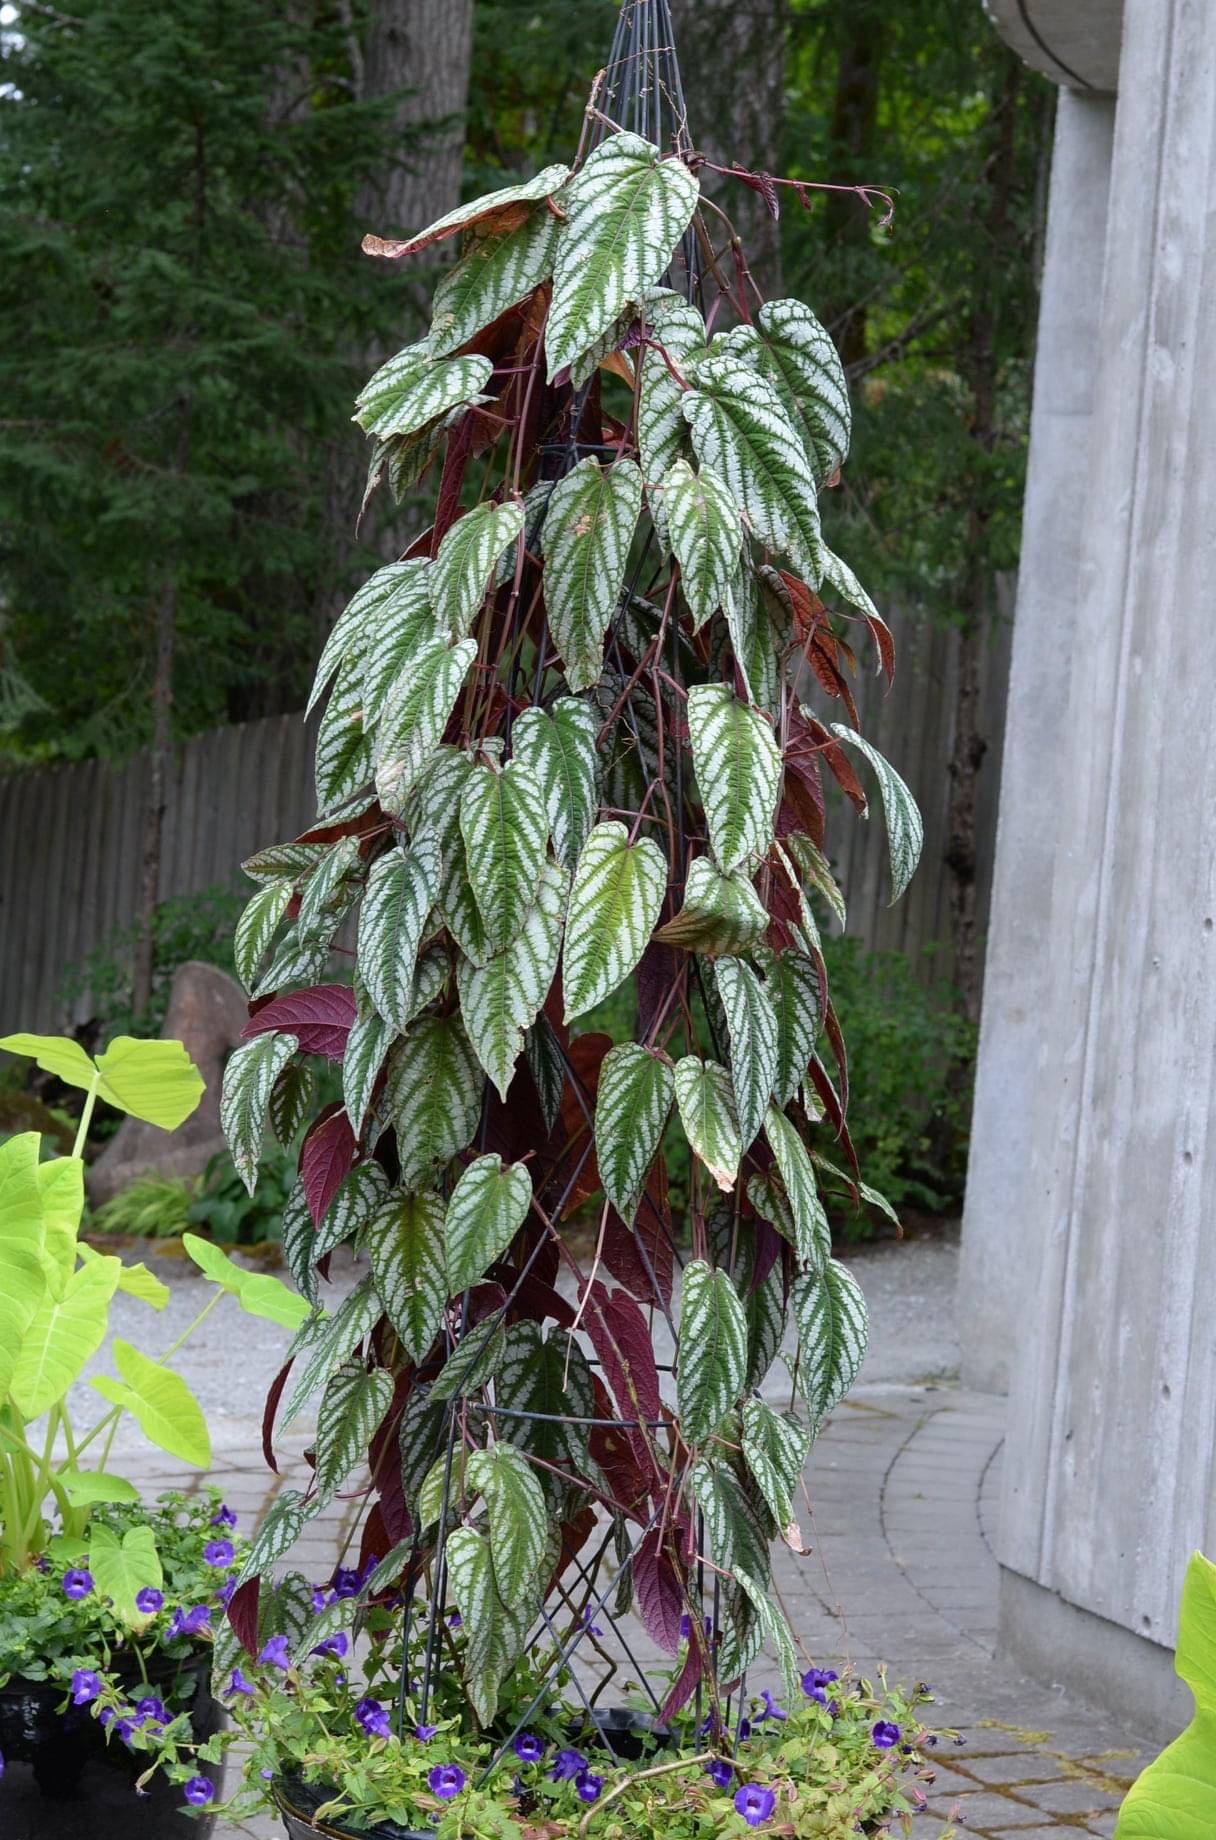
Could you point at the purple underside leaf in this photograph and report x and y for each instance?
(320, 1019)
(659, 1590)
(327, 1156)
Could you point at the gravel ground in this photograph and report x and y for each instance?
(230, 1364)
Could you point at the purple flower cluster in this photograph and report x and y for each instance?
(884, 1734)
(77, 1584)
(815, 1680)
(571, 1766)
(188, 1622)
(446, 1780)
(374, 1719)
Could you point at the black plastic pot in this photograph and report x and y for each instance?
(626, 1732)
(299, 1801)
(62, 1781)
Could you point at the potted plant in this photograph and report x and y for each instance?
(571, 799)
(104, 1599)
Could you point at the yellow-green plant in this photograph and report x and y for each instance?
(1175, 1798)
(55, 1297)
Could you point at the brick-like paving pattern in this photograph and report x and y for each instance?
(903, 1493)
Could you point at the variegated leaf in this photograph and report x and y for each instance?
(281, 1527)
(815, 871)
(614, 903)
(721, 913)
(413, 388)
(775, 1447)
(752, 642)
(282, 860)
(541, 1388)
(547, 1067)
(405, 1243)
(741, 430)
(467, 559)
(433, 1095)
(400, 889)
(558, 746)
(434, 801)
(905, 831)
(663, 438)
(290, 1100)
(361, 1193)
(486, 1209)
(626, 209)
(632, 1106)
(351, 624)
(788, 345)
(752, 1027)
(776, 1630)
(474, 1362)
(500, 999)
(793, 987)
(765, 1309)
(733, 1533)
(344, 755)
(415, 714)
(705, 533)
(352, 1406)
(593, 513)
(712, 1360)
(420, 1440)
(249, 1080)
(367, 1046)
(330, 1339)
(505, 827)
(738, 767)
(323, 893)
(833, 1329)
(494, 1634)
(257, 927)
(707, 1112)
(403, 627)
(812, 1235)
(518, 1521)
(504, 205)
(499, 268)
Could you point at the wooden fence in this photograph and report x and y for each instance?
(70, 837)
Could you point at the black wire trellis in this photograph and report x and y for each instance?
(640, 90)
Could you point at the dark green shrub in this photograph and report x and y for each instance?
(913, 1055)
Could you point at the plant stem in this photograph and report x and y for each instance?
(637, 1776)
(86, 1116)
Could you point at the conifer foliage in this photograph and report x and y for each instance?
(572, 806)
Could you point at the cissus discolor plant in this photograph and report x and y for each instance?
(571, 807)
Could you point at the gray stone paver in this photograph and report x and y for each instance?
(902, 1490)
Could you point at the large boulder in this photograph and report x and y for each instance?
(207, 1011)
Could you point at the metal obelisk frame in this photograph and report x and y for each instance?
(639, 90)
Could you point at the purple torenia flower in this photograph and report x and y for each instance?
(446, 1780)
(274, 1653)
(528, 1747)
(771, 1709)
(226, 1591)
(77, 1585)
(588, 1786)
(884, 1734)
(720, 1772)
(335, 1645)
(815, 1680)
(754, 1803)
(567, 1765)
(151, 1711)
(346, 1583)
(373, 1718)
(238, 1684)
(223, 1517)
(593, 1629)
(455, 1620)
(199, 1791)
(191, 1622)
(424, 1733)
(218, 1553)
(1, 1764)
(149, 1600)
(319, 1600)
(86, 1685)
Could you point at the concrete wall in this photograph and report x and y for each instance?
(1110, 1470)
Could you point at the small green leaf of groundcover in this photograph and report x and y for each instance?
(122, 1567)
(161, 1403)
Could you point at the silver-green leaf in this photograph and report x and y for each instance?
(712, 1359)
(632, 1105)
(589, 525)
(738, 768)
(707, 1112)
(486, 1209)
(614, 903)
(558, 745)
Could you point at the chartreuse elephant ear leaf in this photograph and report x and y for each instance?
(23, 1278)
(1175, 1798)
(153, 1080)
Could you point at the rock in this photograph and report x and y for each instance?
(207, 1011)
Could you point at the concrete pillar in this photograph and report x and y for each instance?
(994, 1265)
(1110, 1471)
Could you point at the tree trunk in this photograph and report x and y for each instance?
(423, 47)
(154, 808)
(732, 59)
(979, 367)
(847, 218)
